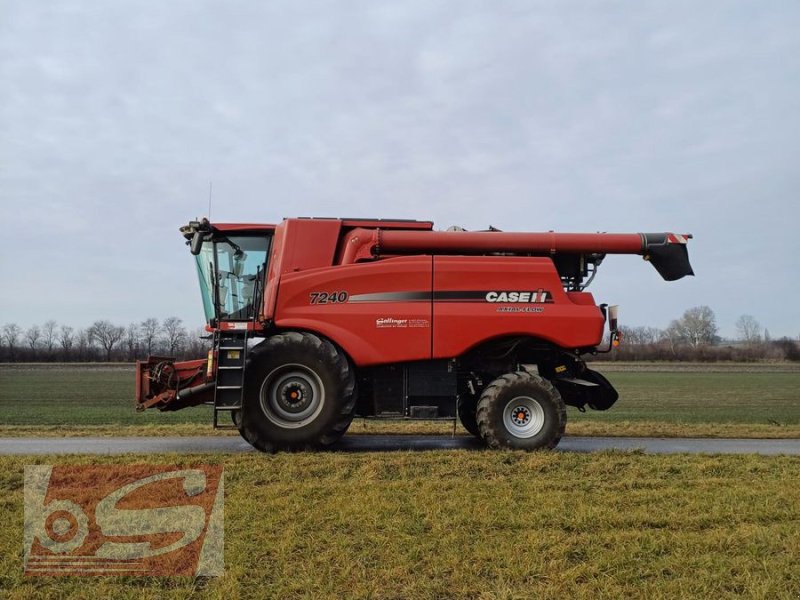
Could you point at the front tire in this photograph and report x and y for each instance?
(523, 411)
(299, 393)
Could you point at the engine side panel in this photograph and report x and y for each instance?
(414, 390)
(480, 298)
(379, 312)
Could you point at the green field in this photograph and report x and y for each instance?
(705, 397)
(485, 525)
(691, 399)
(54, 395)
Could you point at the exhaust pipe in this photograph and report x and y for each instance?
(613, 314)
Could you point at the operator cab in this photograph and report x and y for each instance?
(231, 261)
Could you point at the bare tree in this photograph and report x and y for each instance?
(107, 335)
(11, 333)
(697, 326)
(641, 336)
(65, 339)
(749, 330)
(149, 334)
(198, 343)
(33, 334)
(651, 335)
(175, 334)
(83, 344)
(132, 340)
(672, 337)
(49, 332)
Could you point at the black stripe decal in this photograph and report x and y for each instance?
(476, 296)
(449, 296)
(392, 297)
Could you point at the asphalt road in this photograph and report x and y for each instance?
(387, 443)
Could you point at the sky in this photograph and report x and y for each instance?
(529, 116)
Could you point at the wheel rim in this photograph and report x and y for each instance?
(292, 396)
(523, 417)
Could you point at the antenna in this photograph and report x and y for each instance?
(210, 189)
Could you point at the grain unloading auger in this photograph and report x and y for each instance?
(316, 321)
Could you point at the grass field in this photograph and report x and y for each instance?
(43, 395)
(488, 525)
(735, 401)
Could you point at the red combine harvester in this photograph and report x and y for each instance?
(317, 321)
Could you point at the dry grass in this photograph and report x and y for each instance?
(488, 525)
(689, 430)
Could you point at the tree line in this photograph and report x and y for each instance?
(101, 341)
(694, 336)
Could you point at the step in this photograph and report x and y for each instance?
(229, 387)
(230, 367)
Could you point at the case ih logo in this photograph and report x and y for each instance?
(539, 296)
(123, 520)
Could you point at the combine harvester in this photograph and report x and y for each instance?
(317, 321)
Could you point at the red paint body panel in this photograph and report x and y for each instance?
(461, 325)
(581, 298)
(404, 332)
(309, 243)
(374, 331)
(299, 245)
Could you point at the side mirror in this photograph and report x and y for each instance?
(197, 242)
(238, 262)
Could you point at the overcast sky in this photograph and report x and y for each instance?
(573, 116)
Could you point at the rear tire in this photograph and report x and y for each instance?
(523, 411)
(299, 393)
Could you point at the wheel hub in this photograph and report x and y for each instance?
(523, 417)
(295, 396)
(292, 396)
